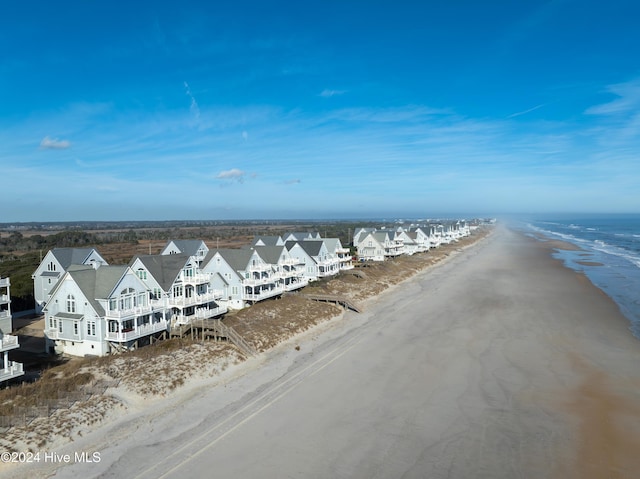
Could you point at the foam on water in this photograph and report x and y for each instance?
(613, 242)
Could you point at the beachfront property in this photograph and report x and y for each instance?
(8, 342)
(101, 311)
(196, 248)
(54, 265)
(177, 283)
(324, 263)
(290, 269)
(244, 276)
(377, 245)
(342, 254)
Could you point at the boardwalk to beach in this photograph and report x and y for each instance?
(496, 363)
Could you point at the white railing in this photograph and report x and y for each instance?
(260, 267)
(137, 332)
(129, 313)
(8, 341)
(4, 298)
(11, 370)
(259, 282)
(5, 283)
(5, 314)
(301, 283)
(196, 278)
(182, 301)
(264, 294)
(181, 319)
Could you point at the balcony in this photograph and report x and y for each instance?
(8, 342)
(4, 315)
(129, 313)
(195, 299)
(137, 332)
(202, 313)
(4, 298)
(253, 282)
(196, 278)
(259, 267)
(5, 283)
(263, 294)
(296, 284)
(11, 370)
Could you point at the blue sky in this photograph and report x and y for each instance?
(237, 110)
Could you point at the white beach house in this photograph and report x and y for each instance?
(54, 265)
(243, 274)
(8, 342)
(177, 282)
(101, 311)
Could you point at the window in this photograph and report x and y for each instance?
(91, 328)
(71, 304)
(75, 328)
(59, 326)
(142, 274)
(127, 299)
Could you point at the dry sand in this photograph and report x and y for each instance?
(525, 369)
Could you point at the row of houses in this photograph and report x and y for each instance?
(373, 244)
(8, 342)
(93, 308)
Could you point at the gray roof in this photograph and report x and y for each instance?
(301, 235)
(164, 268)
(98, 283)
(238, 259)
(267, 240)
(311, 247)
(270, 254)
(189, 247)
(68, 256)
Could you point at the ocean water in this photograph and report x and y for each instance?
(610, 256)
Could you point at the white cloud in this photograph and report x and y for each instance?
(326, 93)
(194, 108)
(233, 174)
(628, 94)
(245, 135)
(54, 144)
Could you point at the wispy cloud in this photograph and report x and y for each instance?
(292, 182)
(232, 175)
(194, 108)
(48, 143)
(326, 93)
(524, 112)
(628, 100)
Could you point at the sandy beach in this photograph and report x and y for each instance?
(497, 363)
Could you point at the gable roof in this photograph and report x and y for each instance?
(270, 254)
(97, 283)
(164, 268)
(311, 247)
(238, 259)
(267, 241)
(188, 247)
(68, 256)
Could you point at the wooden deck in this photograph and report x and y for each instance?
(346, 303)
